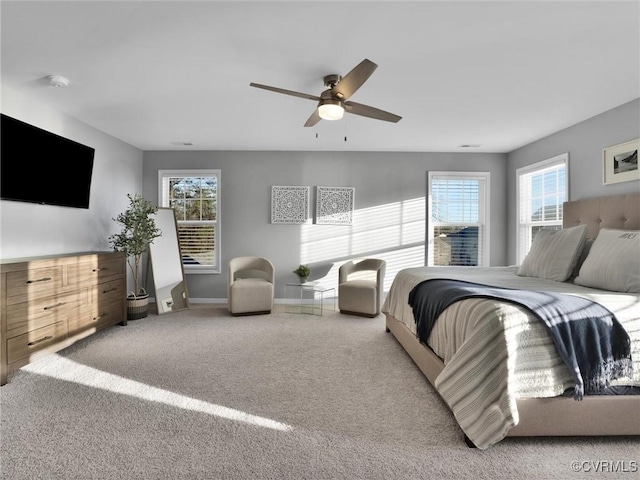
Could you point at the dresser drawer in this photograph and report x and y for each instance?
(110, 314)
(27, 343)
(33, 283)
(97, 316)
(108, 292)
(94, 270)
(27, 316)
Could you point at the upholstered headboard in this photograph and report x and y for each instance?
(615, 211)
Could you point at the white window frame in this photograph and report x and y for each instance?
(163, 201)
(484, 179)
(523, 205)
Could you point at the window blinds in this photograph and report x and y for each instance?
(457, 229)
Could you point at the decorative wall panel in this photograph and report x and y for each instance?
(334, 205)
(290, 205)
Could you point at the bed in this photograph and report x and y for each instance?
(495, 364)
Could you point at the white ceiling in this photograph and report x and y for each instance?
(499, 74)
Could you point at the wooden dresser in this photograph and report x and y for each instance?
(48, 303)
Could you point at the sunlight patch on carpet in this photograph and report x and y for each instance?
(64, 369)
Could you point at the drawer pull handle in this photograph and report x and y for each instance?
(114, 289)
(100, 269)
(43, 339)
(44, 279)
(50, 307)
(102, 315)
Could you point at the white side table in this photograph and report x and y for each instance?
(309, 298)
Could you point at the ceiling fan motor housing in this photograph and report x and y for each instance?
(332, 80)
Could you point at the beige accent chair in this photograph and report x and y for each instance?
(360, 287)
(250, 286)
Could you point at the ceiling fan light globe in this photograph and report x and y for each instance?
(331, 110)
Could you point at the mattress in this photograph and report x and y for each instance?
(495, 352)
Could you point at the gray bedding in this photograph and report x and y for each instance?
(587, 336)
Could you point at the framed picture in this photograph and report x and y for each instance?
(290, 205)
(334, 205)
(621, 162)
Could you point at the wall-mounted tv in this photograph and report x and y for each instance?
(41, 167)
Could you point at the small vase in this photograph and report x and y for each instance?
(303, 280)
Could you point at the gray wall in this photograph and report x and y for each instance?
(389, 219)
(584, 142)
(32, 230)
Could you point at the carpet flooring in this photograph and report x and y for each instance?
(199, 394)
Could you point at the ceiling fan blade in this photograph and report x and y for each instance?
(371, 112)
(313, 119)
(353, 80)
(286, 92)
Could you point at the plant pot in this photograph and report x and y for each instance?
(137, 307)
(303, 280)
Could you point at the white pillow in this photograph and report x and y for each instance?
(613, 262)
(554, 253)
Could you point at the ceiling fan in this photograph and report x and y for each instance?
(333, 102)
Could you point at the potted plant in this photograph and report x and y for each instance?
(303, 272)
(138, 232)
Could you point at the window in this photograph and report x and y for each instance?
(542, 188)
(459, 219)
(195, 197)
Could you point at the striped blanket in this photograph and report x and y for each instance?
(588, 337)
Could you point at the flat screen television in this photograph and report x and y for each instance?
(38, 166)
